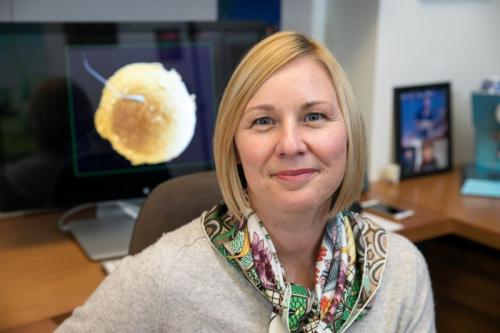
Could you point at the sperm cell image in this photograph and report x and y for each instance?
(145, 112)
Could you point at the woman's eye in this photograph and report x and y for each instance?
(314, 116)
(263, 121)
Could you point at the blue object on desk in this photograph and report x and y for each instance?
(481, 187)
(479, 181)
(487, 130)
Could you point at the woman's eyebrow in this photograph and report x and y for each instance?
(310, 104)
(304, 106)
(260, 107)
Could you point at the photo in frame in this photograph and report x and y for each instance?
(423, 129)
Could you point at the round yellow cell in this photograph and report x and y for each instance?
(155, 128)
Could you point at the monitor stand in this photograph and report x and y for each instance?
(107, 235)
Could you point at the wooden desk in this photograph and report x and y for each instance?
(474, 218)
(464, 275)
(45, 274)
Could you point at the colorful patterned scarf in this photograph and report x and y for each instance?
(349, 267)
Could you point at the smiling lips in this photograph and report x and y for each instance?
(295, 175)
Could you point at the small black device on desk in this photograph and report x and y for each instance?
(389, 211)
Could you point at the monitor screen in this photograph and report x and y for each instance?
(93, 112)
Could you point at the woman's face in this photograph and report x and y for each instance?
(292, 139)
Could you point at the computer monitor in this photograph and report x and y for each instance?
(52, 83)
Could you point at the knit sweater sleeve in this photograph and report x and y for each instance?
(422, 307)
(128, 300)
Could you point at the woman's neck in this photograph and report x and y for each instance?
(297, 238)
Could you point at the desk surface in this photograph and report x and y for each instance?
(474, 218)
(45, 274)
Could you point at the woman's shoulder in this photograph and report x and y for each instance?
(188, 238)
(404, 301)
(406, 270)
(169, 263)
(403, 259)
(184, 236)
(403, 253)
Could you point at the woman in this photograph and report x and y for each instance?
(281, 253)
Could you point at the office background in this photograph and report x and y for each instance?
(380, 43)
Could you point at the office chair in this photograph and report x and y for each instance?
(172, 204)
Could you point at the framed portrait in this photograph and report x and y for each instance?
(423, 127)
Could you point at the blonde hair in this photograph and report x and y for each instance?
(262, 61)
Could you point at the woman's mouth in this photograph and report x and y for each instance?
(296, 174)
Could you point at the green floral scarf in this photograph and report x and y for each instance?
(349, 268)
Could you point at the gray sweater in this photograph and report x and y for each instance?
(181, 284)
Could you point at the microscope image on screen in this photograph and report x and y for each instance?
(154, 106)
(146, 113)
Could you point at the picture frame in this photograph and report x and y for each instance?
(423, 143)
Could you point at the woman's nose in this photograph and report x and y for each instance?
(290, 141)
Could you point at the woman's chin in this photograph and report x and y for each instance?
(300, 204)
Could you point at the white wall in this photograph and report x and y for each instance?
(307, 17)
(296, 15)
(103, 10)
(420, 41)
(351, 31)
(5, 10)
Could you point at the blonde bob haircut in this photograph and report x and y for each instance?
(262, 61)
